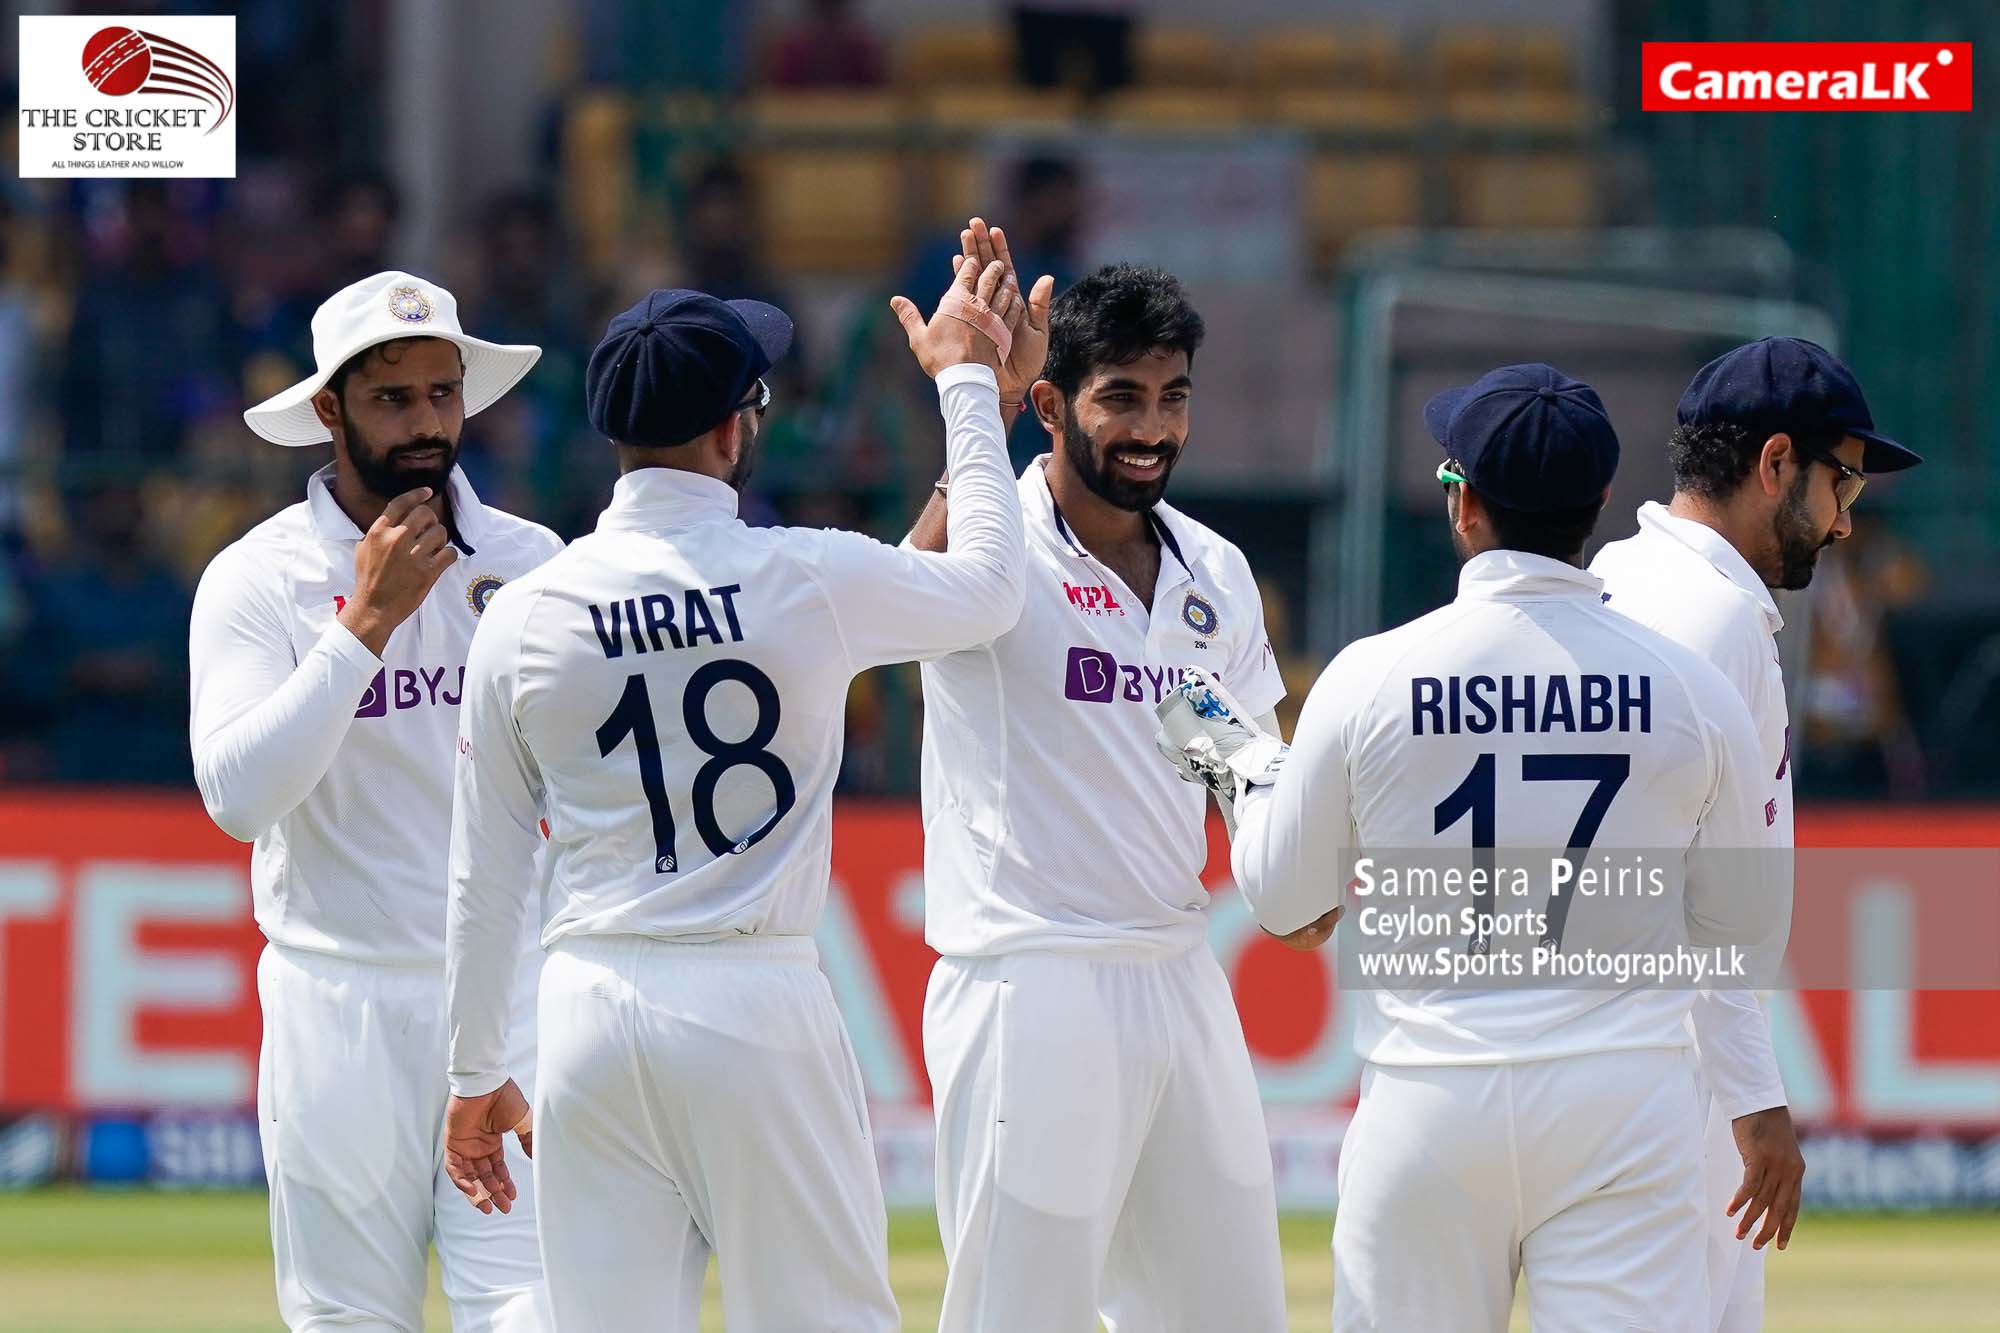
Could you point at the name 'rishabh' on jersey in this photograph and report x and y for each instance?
(1049, 820)
(1528, 715)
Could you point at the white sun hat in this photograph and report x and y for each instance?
(378, 310)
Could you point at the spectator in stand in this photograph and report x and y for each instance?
(151, 343)
(360, 209)
(1076, 42)
(526, 292)
(830, 47)
(108, 675)
(17, 354)
(721, 253)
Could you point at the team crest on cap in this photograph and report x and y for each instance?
(409, 304)
(480, 591)
(1200, 615)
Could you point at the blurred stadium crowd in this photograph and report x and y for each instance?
(794, 152)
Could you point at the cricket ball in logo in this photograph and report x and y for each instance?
(409, 304)
(480, 591)
(1199, 615)
(119, 61)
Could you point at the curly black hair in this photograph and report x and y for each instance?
(1113, 317)
(1711, 459)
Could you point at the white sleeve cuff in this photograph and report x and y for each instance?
(339, 642)
(968, 372)
(474, 1085)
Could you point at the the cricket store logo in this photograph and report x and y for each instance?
(138, 95)
(1806, 76)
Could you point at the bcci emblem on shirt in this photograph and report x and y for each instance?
(1199, 615)
(480, 591)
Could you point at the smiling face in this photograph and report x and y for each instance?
(397, 413)
(1125, 426)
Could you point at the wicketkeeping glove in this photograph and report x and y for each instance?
(1208, 738)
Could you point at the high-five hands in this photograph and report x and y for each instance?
(474, 1129)
(976, 320)
(1023, 365)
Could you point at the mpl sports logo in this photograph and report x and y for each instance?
(151, 95)
(1806, 76)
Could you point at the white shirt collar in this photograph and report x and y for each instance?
(468, 513)
(1044, 511)
(1516, 576)
(654, 497)
(1715, 548)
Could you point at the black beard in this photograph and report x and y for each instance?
(1799, 544)
(746, 460)
(1093, 465)
(383, 475)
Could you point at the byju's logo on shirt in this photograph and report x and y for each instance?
(1096, 677)
(403, 688)
(1092, 599)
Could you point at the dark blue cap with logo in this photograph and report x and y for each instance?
(678, 363)
(1791, 386)
(1529, 437)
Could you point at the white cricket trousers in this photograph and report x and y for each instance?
(697, 1098)
(351, 1095)
(1101, 1147)
(1735, 1270)
(1585, 1171)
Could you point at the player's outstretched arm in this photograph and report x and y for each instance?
(1293, 834)
(263, 729)
(495, 834)
(895, 604)
(1021, 367)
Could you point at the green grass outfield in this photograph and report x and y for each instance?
(77, 1261)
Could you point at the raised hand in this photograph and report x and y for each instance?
(474, 1130)
(973, 323)
(396, 562)
(1023, 366)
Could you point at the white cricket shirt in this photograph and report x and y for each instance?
(1685, 580)
(1526, 664)
(669, 694)
(336, 763)
(1050, 820)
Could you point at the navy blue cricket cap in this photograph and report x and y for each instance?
(1528, 436)
(1792, 386)
(678, 363)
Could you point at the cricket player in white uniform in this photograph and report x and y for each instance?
(328, 650)
(1772, 447)
(1101, 1145)
(1505, 1128)
(669, 695)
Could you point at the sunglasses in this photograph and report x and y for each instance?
(1847, 482)
(1451, 472)
(759, 400)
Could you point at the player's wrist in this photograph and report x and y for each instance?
(367, 623)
